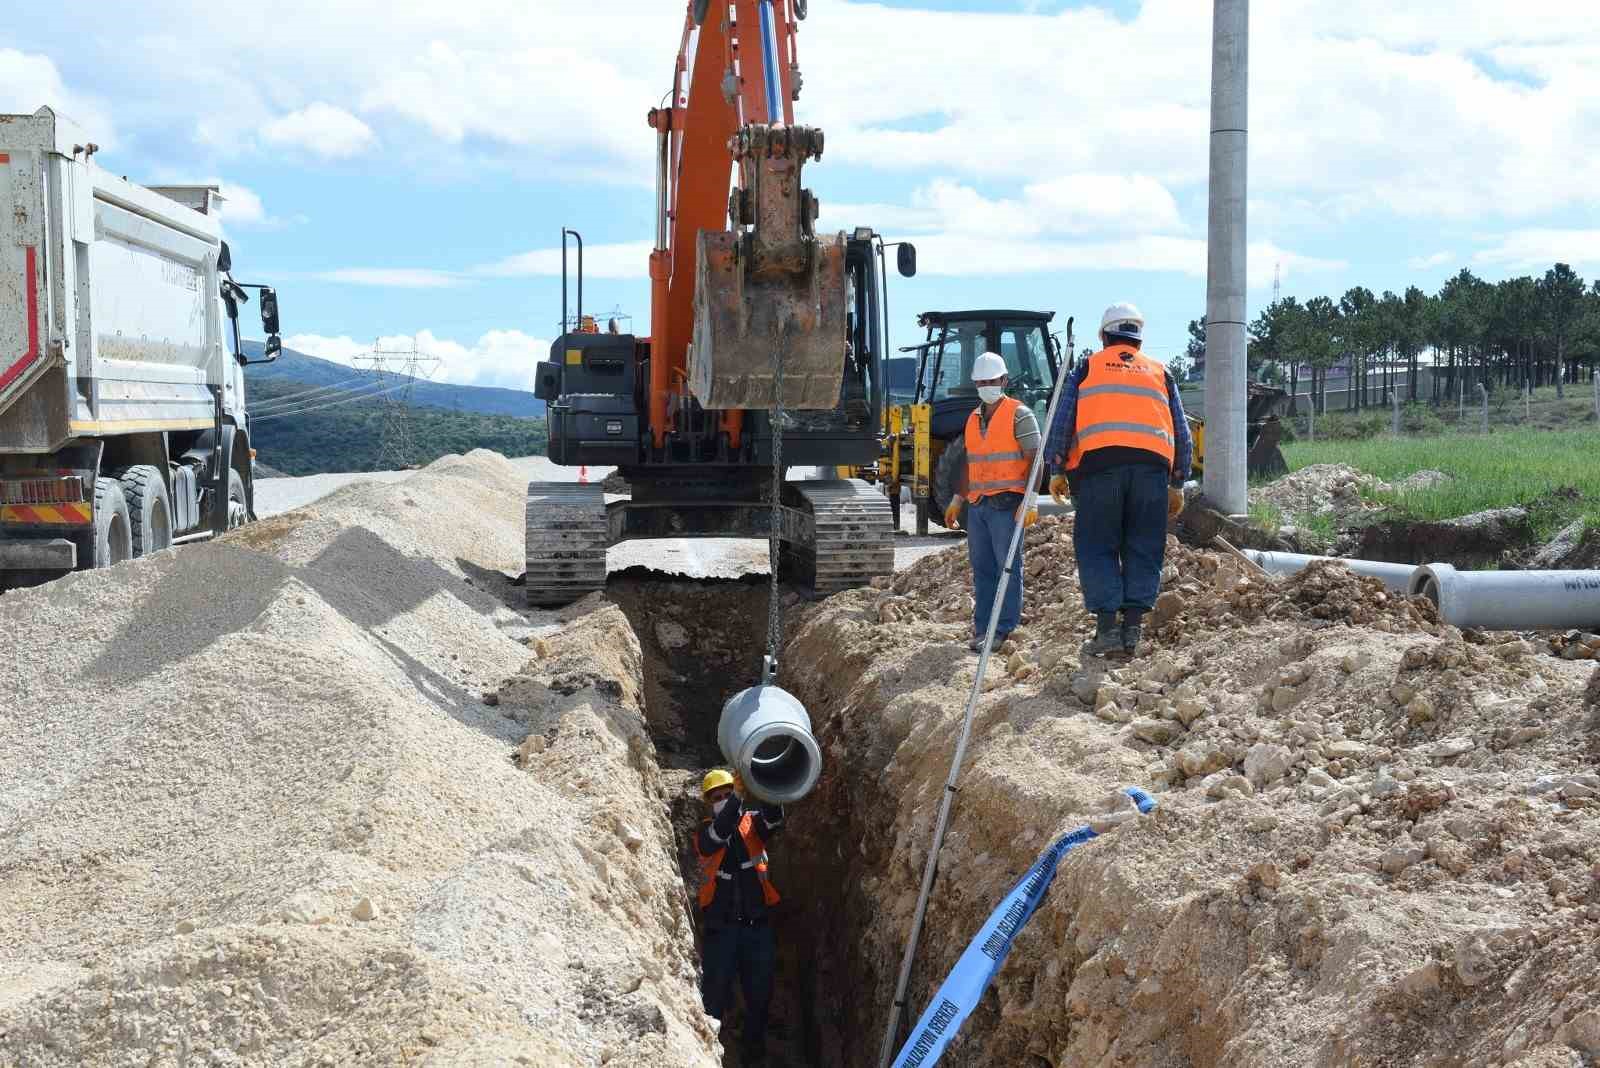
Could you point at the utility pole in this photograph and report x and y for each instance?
(1226, 477)
(396, 371)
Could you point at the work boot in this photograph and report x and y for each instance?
(1107, 638)
(1131, 630)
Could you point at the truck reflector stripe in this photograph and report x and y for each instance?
(31, 262)
(47, 514)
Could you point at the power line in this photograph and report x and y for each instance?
(306, 394)
(352, 399)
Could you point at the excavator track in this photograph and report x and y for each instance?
(854, 535)
(567, 536)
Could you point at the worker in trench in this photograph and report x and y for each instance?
(1002, 437)
(1120, 445)
(735, 899)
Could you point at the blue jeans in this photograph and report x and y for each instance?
(1120, 536)
(988, 538)
(748, 954)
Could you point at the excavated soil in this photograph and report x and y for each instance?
(323, 793)
(1376, 842)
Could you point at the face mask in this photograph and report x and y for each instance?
(990, 394)
(717, 807)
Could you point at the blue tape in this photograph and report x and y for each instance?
(959, 994)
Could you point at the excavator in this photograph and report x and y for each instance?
(766, 348)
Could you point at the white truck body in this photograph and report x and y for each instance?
(115, 340)
(111, 286)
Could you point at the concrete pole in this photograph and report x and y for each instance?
(1226, 478)
(1594, 381)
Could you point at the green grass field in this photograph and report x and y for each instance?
(1555, 474)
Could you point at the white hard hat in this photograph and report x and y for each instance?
(1123, 320)
(987, 366)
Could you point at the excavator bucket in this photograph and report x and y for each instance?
(771, 293)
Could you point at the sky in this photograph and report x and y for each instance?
(403, 171)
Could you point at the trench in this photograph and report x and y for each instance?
(702, 642)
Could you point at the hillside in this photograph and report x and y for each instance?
(345, 437)
(311, 371)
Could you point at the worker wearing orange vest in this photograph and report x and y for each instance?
(735, 897)
(1121, 442)
(1002, 437)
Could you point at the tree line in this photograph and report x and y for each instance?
(1503, 335)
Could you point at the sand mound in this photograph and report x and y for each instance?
(254, 808)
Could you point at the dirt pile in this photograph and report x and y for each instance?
(1575, 547)
(258, 804)
(1376, 845)
(1321, 489)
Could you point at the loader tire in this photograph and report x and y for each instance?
(113, 539)
(149, 509)
(946, 476)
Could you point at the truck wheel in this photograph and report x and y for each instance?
(946, 476)
(113, 539)
(149, 509)
(238, 507)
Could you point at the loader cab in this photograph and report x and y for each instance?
(956, 339)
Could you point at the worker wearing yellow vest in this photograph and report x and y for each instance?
(735, 898)
(1120, 442)
(1002, 437)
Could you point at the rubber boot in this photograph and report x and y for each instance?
(1107, 636)
(1132, 628)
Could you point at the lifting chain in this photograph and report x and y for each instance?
(769, 666)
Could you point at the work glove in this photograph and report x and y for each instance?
(1027, 519)
(738, 785)
(1058, 489)
(1174, 501)
(952, 516)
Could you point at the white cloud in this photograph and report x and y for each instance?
(1428, 263)
(1537, 249)
(241, 206)
(396, 277)
(628, 259)
(1076, 223)
(498, 358)
(322, 129)
(30, 81)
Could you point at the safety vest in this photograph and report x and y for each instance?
(1123, 402)
(756, 852)
(995, 461)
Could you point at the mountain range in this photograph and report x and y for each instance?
(314, 372)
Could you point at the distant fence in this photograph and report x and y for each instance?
(1336, 393)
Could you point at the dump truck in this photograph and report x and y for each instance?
(123, 425)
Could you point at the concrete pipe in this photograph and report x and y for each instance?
(1511, 600)
(765, 734)
(1396, 577)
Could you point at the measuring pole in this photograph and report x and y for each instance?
(930, 869)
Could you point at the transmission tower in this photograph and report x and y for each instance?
(396, 371)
